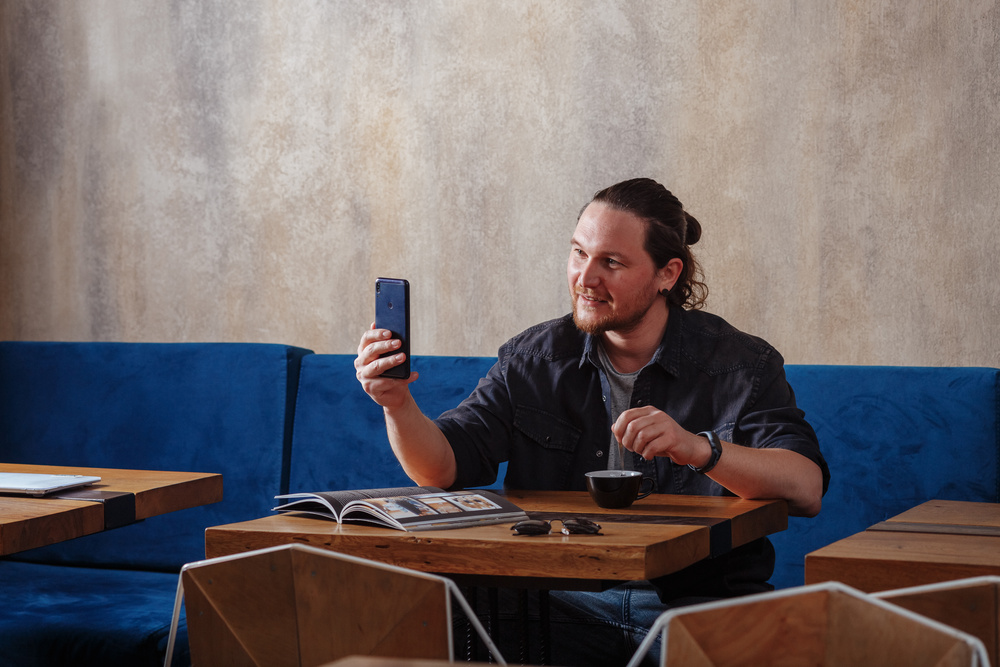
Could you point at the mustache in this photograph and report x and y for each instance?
(590, 294)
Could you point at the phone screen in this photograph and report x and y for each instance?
(392, 312)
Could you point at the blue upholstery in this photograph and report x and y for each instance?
(58, 615)
(274, 419)
(894, 437)
(195, 407)
(339, 439)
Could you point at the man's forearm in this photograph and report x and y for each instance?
(420, 446)
(771, 473)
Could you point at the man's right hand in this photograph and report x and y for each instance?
(388, 392)
(417, 442)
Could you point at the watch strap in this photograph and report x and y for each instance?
(716, 445)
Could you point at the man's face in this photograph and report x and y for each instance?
(613, 282)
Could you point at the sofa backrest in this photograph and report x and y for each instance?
(339, 439)
(894, 437)
(196, 407)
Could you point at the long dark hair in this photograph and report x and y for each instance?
(670, 233)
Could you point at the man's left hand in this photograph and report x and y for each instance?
(650, 432)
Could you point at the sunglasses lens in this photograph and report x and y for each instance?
(531, 527)
(581, 527)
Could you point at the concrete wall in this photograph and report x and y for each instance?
(242, 171)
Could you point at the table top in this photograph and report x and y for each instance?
(938, 540)
(27, 522)
(658, 535)
(946, 517)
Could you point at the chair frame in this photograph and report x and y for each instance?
(450, 586)
(661, 626)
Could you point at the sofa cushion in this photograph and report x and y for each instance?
(339, 438)
(197, 407)
(63, 615)
(893, 437)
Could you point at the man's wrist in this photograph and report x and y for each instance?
(716, 446)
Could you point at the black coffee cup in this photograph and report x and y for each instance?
(617, 489)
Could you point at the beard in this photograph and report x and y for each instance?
(625, 314)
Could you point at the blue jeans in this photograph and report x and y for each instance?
(600, 629)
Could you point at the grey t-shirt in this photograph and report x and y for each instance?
(621, 397)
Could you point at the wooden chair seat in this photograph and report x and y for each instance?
(300, 606)
(825, 624)
(970, 605)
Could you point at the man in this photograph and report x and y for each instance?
(696, 404)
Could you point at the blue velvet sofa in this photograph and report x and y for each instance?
(106, 599)
(275, 418)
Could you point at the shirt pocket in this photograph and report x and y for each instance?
(545, 430)
(544, 450)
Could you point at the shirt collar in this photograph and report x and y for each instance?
(667, 355)
(589, 355)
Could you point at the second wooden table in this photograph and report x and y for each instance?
(936, 541)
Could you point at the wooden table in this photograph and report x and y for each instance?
(27, 522)
(658, 535)
(939, 540)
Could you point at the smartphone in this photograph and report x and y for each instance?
(392, 312)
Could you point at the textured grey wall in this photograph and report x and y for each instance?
(242, 171)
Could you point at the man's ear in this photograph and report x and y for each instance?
(669, 274)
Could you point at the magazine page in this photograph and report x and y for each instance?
(443, 509)
(332, 502)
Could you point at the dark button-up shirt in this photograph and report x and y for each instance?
(544, 408)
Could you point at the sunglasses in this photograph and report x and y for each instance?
(569, 527)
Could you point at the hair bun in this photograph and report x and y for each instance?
(692, 233)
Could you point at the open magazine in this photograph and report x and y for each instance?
(406, 508)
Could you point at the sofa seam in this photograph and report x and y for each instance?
(293, 377)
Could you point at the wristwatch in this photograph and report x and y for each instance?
(716, 445)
